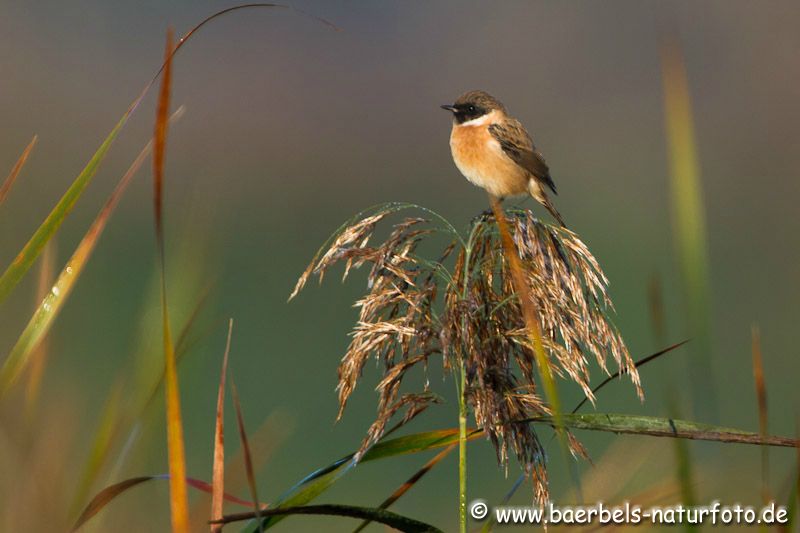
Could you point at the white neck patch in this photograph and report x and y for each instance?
(488, 118)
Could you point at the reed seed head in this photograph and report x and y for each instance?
(415, 308)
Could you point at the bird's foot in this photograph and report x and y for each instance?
(485, 216)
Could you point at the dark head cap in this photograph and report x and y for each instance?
(472, 105)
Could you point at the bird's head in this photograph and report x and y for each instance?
(473, 105)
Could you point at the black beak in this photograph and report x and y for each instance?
(449, 107)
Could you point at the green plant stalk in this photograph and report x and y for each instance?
(462, 408)
(462, 451)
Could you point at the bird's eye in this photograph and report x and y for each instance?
(472, 109)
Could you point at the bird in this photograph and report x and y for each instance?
(494, 151)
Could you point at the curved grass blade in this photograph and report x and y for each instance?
(641, 362)
(105, 496)
(405, 487)
(51, 305)
(189, 34)
(248, 458)
(218, 474)
(12, 176)
(656, 426)
(33, 248)
(394, 520)
(319, 481)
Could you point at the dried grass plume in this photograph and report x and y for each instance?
(461, 306)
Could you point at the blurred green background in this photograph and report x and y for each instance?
(291, 128)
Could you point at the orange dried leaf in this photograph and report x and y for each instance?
(12, 176)
(248, 459)
(529, 312)
(530, 316)
(218, 475)
(179, 504)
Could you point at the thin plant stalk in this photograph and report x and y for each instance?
(462, 408)
(462, 450)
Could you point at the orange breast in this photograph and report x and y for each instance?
(482, 161)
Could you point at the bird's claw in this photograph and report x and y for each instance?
(484, 216)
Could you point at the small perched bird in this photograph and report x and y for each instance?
(493, 150)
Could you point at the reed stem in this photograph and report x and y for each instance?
(462, 451)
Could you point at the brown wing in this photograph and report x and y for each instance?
(517, 145)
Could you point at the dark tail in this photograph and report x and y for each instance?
(553, 211)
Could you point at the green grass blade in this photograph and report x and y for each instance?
(318, 482)
(307, 489)
(51, 305)
(22, 263)
(409, 483)
(689, 223)
(665, 427)
(33, 248)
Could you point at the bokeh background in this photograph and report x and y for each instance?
(292, 127)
